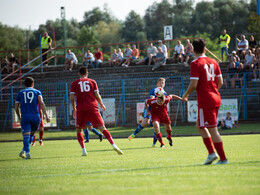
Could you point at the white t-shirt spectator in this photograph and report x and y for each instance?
(164, 50)
(229, 122)
(249, 59)
(127, 52)
(89, 56)
(152, 50)
(245, 42)
(178, 49)
(70, 56)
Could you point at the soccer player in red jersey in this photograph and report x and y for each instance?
(206, 79)
(41, 130)
(159, 115)
(86, 92)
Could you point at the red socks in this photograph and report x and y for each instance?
(41, 135)
(220, 150)
(169, 132)
(33, 139)
(81, 140)
(159, 137)
(108, 136)
(209, 144)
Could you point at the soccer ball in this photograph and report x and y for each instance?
(159, 92)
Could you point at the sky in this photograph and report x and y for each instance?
(31, 13)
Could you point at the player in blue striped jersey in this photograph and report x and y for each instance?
(29, 99)
(146, 119)
(90, 127)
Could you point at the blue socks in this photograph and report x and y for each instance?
(86, 134)
(138, 129)
(95, 131)
(154, 138)
(26, 143)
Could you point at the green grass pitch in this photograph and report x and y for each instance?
(58, 168)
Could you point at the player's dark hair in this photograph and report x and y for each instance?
(199, 45)
(28, 82)
(83, 70)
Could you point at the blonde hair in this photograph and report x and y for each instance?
(161, 79)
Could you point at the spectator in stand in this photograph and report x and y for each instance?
(249, 60)
(224, 40)
(5, 66)
(98, 57)
(89, 59)
(232, 74)
(252, 42)
(71, 59)
(240, 74)
(164, 48)
(13, 62)
(120, 56)
(178, 52)
(45, 45)
(227, 123)
(242, 45)
(257, 65)
(134, 56)
(234, 58)
(127, 54)
(151, 54)
(112, 61)
(188, 51)
(160, 59)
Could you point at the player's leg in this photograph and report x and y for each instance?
(156, 126)
(207, 140)
(110, 139)
(86, 133)
(81, 120)
(33, 141)
(41, 132)
(169, 132)
(95, 132)
(217, 141)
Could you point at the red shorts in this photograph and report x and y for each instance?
(164, 119)
(207, 117)
(93, 116)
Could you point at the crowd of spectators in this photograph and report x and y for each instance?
(9, 65)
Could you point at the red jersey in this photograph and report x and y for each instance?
(159, 109)
(99, 55)
(84, 89)
(206, 70)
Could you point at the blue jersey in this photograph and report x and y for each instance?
(28, 98)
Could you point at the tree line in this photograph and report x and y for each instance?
(99, 26)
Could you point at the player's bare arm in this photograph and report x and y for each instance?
(219, 81)
(43, 108)
(147, 108)
(72, 101)
(99, 99)
(192, 86)
(176, 97)
(17, 111)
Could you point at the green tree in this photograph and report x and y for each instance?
(87, 36)
(132, 25)
(91, 18)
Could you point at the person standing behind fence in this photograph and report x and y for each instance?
(71, 59)
(29, 99)
(86, 92)
(13, 62)
(98, 57)
(45, 45)
(206, 79)
(89, 59)
(224, 40)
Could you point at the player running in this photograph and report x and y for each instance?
(90, 127)
(41, 130)
(88, 97)
(206, 79)
(146, 119)
(157, 109)
(29, 99)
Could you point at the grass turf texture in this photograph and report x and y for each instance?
(124, 132)
(59, 168)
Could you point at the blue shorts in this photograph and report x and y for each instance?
(224, 49)
(133, 58)
(88, 123)
(146, 59)
(30, 123)
(145, 114)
